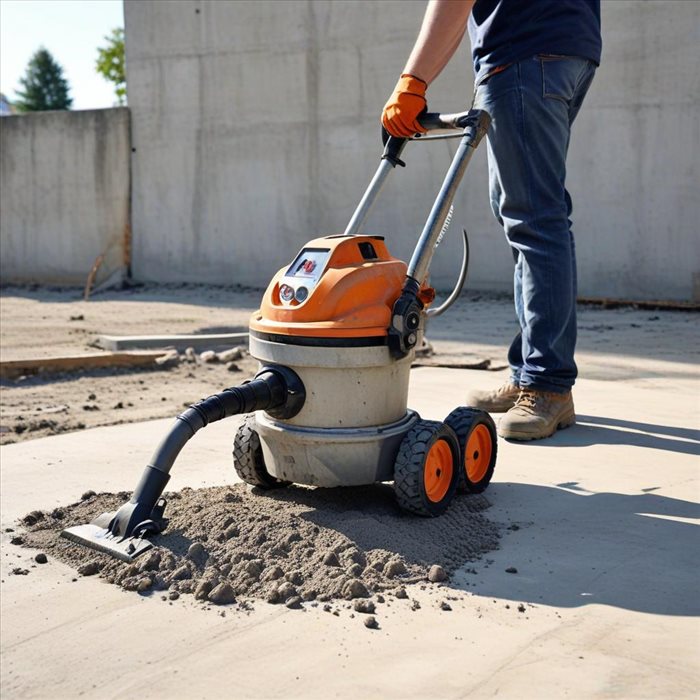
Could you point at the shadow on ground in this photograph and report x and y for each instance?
(636, 552)
(600, 430)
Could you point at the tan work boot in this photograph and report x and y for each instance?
(536, 415)
(494, 401)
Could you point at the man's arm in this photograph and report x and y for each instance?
(440, 34)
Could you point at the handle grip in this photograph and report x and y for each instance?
(474, 122)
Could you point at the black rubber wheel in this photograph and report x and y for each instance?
(426, 469)
(478, 445)
(248, 457)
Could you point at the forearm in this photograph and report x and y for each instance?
(442, 30)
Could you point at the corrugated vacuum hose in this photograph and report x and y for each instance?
(275, 389)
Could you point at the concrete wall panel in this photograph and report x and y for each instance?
(64, 195)
(256, 128)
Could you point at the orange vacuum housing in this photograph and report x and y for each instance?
(338, 287)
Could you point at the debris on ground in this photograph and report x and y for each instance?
(288, 547)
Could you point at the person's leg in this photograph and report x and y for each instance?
(532, 105)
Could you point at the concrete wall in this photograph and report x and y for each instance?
(255, 128)
(64, 195)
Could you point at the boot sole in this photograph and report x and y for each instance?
(522, 436)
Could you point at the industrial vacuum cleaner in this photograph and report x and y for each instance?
(335, 336)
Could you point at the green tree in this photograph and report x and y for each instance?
(110, 63)
(44, 85)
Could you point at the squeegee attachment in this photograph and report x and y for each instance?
(122, 533)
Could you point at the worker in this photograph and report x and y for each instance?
(534, 61)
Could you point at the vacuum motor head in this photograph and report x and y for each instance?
(337, 287)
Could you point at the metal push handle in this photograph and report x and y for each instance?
(474, 123)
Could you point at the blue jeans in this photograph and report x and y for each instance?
(532, 105)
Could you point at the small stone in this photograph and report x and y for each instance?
(203, 589)
(309, 594)
(17, 540)
(273, 597)
(294, 603)
(144, 584)
(286, 591)
(182, 573)
(521, 608)
(371, 622)
(295, 577)
(401, 593)
(232, 367)
(40, 558)
(272, 574)
(327, 608)
(356, 570)
(150, 563)
(173, 595)
(380, 598)
(445, 606)
(230, 355)
(190, 354)
(208, 356)
(223, 594)
(415, 605)
(87, 495)
(364, 606)
(18, 571)
(393, 568)
(119, 404)
(331, 559)
(253, 568)
(197, 554)
(33, 517)
(89, 569)
(511, 570)
(355, 589)
(437, 574)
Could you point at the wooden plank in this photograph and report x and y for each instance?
(11, 369)
(209, 341)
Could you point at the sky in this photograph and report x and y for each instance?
(71, 30)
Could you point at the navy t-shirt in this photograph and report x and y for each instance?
(506, 31)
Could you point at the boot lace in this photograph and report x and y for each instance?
(529, 400)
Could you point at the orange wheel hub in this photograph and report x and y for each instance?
(477, 456)
(437, 475)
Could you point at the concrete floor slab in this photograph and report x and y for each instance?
(604, 536)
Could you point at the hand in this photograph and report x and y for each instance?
(407, 102)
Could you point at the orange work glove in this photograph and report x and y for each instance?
(400, 115)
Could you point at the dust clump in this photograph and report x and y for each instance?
(296, 546)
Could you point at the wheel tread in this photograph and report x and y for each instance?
(461, 420)
(248, 459)
(408, 469)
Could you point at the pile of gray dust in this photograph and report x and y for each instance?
(286, 546)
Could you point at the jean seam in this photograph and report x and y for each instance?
(530, 176)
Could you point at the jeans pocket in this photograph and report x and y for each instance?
(560, 76)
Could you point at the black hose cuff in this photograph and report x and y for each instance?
(275, 389)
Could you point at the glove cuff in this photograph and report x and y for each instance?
(409, 83)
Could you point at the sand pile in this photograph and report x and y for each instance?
(286, 546)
